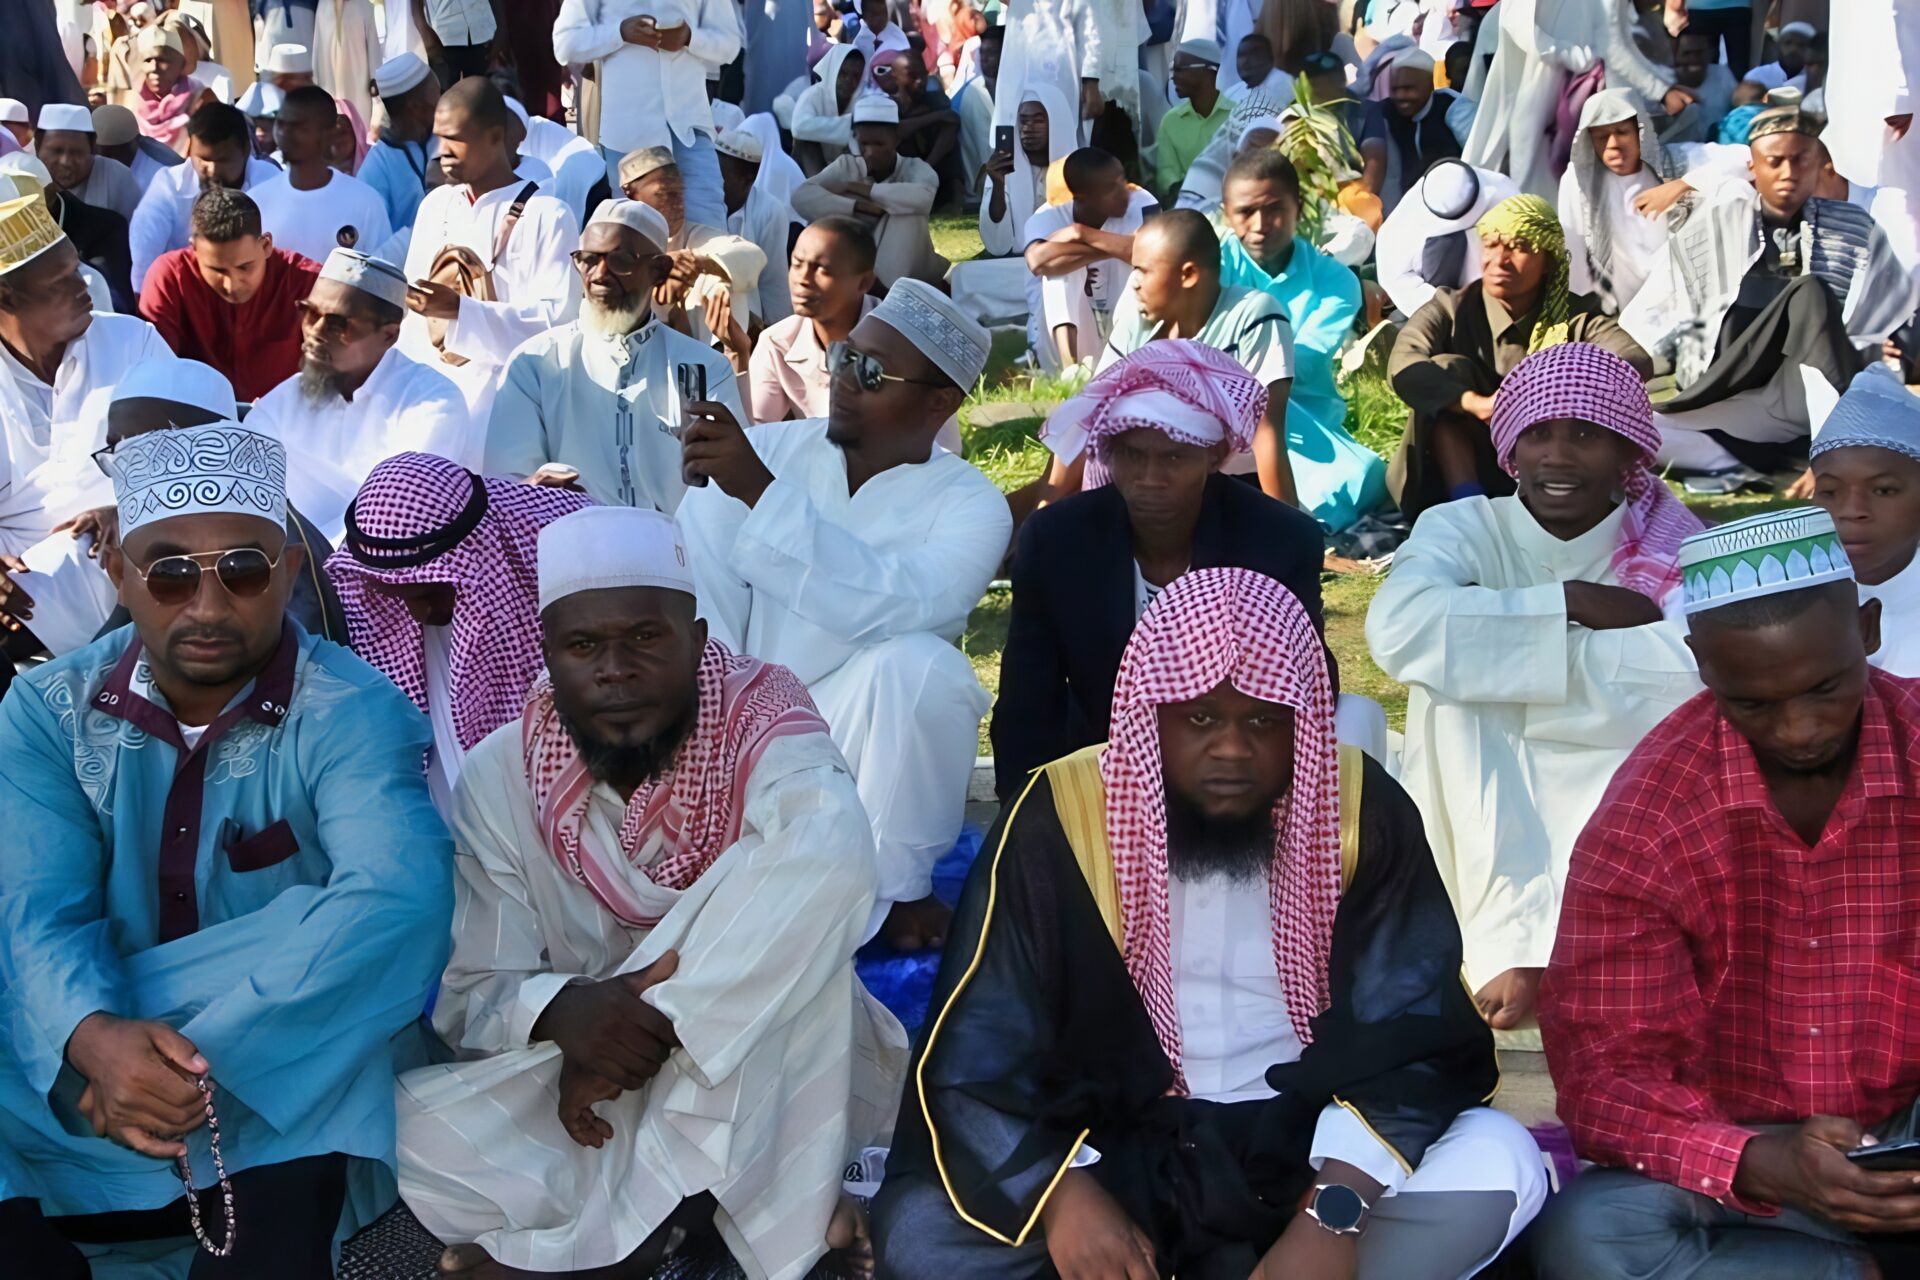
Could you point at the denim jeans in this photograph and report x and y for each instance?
(699, 168)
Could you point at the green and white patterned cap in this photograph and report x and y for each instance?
(1761, 555)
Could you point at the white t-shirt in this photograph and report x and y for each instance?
(1107, 276)
(344, 214)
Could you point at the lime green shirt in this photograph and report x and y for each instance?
(1184, 134)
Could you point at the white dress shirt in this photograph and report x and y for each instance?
(461, 22)
(649, 98)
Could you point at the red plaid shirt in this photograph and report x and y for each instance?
(1713, 972)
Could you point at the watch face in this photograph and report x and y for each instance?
(1338, 1208)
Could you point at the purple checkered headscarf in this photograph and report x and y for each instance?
(1580, 380)
(423, 519)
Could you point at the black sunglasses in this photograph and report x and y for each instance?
(620, 261)
(244, 571)
(867, 369)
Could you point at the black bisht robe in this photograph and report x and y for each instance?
(1038, 1042)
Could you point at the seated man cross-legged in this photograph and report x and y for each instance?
(226, 895)
(664, 870)
(1530, 630)
(1201, 1014)
(1729, 1009)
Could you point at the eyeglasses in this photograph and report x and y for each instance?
(868, 369)
(620, 262)
(332, 323)
(244, 571)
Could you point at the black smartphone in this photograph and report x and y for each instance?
(1003, 139)
(690, 380)
(1888, 1157)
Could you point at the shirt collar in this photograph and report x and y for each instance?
(806, 350)
(265, 700)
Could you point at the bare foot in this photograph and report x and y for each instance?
(915, 926)
(847, 1236)
(1508, 1000)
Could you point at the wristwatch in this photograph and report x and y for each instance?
(1338, 1209)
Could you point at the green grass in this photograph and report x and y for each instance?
(956, 236)
(1003, 442)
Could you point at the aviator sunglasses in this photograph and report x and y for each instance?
(243, 571)
(867, 369)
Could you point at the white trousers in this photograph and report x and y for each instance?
(1065, 300)
(1771, 414)
(906, 715)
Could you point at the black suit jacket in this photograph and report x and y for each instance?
(1073, 602)
(100, 237)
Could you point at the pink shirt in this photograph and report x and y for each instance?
(787, 377)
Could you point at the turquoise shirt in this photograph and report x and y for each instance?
(1339, 478)
(281, 894)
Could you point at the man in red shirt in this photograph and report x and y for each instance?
(1733, 1003)
(230, 299)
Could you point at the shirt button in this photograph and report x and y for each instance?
(180, 831)
(1813, 943)
(1640, 1166)
(1813, 1031)
(1706, 1182)
(179, 897)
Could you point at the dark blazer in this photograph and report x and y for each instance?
(100, 237)
(1073, 602)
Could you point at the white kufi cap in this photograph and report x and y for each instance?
(288, 59)
(598, 548)
(186, 382)
(396, 76)
(639, 215)
(874, 108)
(66, 116)
(219, 469)
(262, 100)
(368, 274)
(22, 164)
(14, 111)
(739, 144)
(948, 336)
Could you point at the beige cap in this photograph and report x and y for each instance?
(114, 125)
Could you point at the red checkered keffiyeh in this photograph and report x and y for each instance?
(694, 808)
(1207, 626)
(1579, 380)
(1185, 390)
(423, 519)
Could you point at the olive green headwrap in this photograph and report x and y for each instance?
(1530, 222)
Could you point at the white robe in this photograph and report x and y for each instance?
(786, 1067)
(1516, 720)
(48, 434)
(346, 49)
(576, 163)
(1400, 249)
(763, 222)
(534, 281)
(403, 406)
(864, 597)
(1899, 598)
(605, 407)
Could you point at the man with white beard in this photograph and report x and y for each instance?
(357, 399)
(593, 404)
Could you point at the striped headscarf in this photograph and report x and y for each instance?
(680, 822)
(1610, 106)
(1580, 380)
(1185, 390)
(1207, 626)
(1530, 222)
(420, 518)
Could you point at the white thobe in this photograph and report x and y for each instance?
(576, 163)
(163, 220)
(1899, 598)
(1516, 719)
(534, 283)
(49, 434)
(111, 185)
(604, 406)
(786, 1066)
(1880, 78)
(763, 222)
(1637, 241)
(1401, 248)
(72, 595)
(863, 596)
(448, 757)
(404, 406)
(649, 98)
(346, 49)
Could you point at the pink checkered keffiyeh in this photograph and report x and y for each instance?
(412, 501)
(1207, 626)
(694, 809)
(1580, 380)
(1185, 390)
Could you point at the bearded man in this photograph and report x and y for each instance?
(358, 399)
(664, 870)
(1201, 1013)
(594, 404)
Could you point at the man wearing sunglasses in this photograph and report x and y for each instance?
(851, 551)
(226, 892)
(592, 404)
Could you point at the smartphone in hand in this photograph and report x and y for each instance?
(689, 387)
(1897, 1156)
(1003, 139)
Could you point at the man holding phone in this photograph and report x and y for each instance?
(1733, 1004)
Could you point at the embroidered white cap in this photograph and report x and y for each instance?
(219, 469)
(368, 274)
